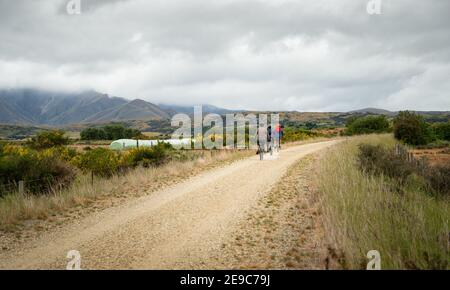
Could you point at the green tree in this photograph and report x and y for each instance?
(110, 132)
(367, 125)
(442, 131)
(93, 134)
(412, 129)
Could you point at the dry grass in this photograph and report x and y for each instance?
(15, 209)
(363, 213)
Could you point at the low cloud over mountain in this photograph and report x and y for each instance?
(50, 108)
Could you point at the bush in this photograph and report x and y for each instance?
(41, 171)
(48, 139)
(442, 131)
(294, 134)
(438, 179)
(375, 159)
(367, 125)
(100, 161)
(148, 156)
(412, 129)
(62, 153)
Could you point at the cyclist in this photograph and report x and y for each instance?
(269, 139)
(277, 137)
(281, 135)
(261, 139)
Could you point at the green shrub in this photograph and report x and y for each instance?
(100, 161)
(412, 129)
(48, 139)
(295, 134)
(367, 125)
(41, 171)
(148, 156)
(375, 159)
(442, 131)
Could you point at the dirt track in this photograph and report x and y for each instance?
(176, 228)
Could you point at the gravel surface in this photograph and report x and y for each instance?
(184, 226)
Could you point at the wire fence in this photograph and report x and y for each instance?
(405, 154)
(28, 186)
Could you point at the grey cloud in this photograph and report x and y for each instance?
(304, 55)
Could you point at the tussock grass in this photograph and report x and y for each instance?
(362, 213)
(15, 208)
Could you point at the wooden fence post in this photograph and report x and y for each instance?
(21, 188)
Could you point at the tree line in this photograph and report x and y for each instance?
(408, 127)
(110, 132)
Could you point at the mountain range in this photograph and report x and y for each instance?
(34, 107)
(37, 107)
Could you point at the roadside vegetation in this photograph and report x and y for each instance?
(46, 164)
(56, 176)
(374, 198)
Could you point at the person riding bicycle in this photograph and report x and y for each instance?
(281, 135)
(276, 136)
(262, 137)
(269, 139)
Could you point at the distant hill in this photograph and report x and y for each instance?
(35, 107)
(189, 110)
(134, 110)
(374, 111)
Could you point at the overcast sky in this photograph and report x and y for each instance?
(306, 55)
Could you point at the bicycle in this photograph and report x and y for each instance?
(261, 149)
(271, 145)
(260, 152)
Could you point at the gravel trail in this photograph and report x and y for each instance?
(179, 227)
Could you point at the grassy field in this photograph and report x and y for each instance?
(362, 212)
